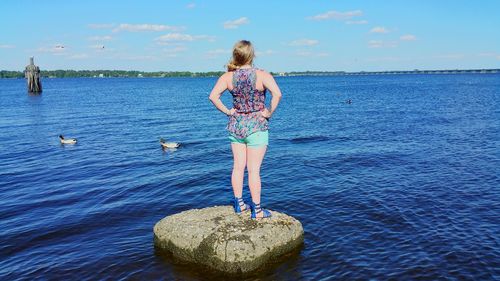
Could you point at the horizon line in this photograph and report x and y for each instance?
(292, 71)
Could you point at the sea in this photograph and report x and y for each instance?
(393, 177)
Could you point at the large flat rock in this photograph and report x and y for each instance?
(222, 240)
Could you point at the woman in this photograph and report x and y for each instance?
(248, 122)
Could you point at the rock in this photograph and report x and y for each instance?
(224, 241)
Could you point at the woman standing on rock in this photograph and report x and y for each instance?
(248, 122)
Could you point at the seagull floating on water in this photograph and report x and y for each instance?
(66, 141)
(165, 144)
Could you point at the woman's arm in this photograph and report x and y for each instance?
(270, 84)
(217, 91)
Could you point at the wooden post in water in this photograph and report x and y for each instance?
(32, 74)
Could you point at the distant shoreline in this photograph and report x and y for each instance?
(165, 74)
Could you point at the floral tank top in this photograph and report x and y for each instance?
(249, 104)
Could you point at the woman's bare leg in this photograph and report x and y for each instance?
(254, 161)
(240, 159)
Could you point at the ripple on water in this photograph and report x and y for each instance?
(402, 184)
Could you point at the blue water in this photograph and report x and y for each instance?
(401, 184)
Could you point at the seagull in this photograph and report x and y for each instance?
(66, 141)
(165, 144)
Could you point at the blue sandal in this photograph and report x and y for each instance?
(256, 209)
(238, 205)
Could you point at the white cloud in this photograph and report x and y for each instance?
(7, 46)
(79, 56)
(385, 59)
(217, 52)
(232, 24)
(57, 49)
(265, 53)
(487, 54)
(145, 27)
(101, 25)
(139, 58)
(175, 37)
(379, 29)
(311, 54)
(174, 52)
(450, 56)
(408, 37)
(337, 15)
(175, 49)
(356, 22)
(135, 27)
(169, 38)
(381, 44)
(101, 38)
(491, 55)
(375, 43)
(191, 5)
(208, 38)
(97, 47)
(304, 42)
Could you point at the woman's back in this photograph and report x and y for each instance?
(248, 122)
(246, 96)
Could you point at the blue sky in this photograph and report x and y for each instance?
(348, 35)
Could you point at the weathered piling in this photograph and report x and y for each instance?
(32, 75)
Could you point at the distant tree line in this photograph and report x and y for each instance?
(110, 73)
(134, 73)
(389, 72)
(11, 74)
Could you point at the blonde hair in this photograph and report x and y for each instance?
(243, 53)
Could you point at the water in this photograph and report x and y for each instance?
(401, 184)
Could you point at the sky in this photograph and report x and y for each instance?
(293, 35)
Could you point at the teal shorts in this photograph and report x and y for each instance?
(259, 138)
